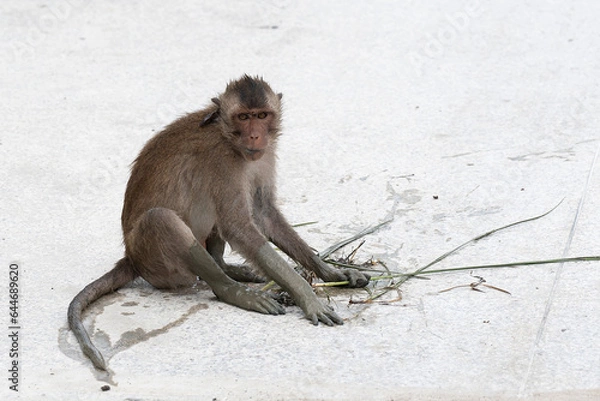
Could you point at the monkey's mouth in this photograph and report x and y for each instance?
(253, 154)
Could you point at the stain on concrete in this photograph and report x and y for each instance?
(70, 347)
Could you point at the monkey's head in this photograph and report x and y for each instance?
(250, 115)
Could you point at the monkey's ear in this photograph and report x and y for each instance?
(211, 117)
(280, 95)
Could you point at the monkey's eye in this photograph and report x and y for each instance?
(243, 116)
(262, 114)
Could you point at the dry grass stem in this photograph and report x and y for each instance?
(475, 286)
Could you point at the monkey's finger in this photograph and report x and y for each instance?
(362, 282)
(334, 318)
(357, 279)
(325, 319)
(279, 309)
(260, 308)
(267, 310)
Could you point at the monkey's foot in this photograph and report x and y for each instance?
(248, 298)
(242, 273)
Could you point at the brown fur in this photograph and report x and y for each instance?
(207, 178)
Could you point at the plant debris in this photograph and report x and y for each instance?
(475, 286)
(396, 279)
(399, 278)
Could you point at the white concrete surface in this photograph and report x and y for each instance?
(490, 106)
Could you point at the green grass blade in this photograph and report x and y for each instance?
(489, 233)
(404, 278)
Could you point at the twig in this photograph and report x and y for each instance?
(327, 252)
(350, 257)
(474, 286)
(308, 223)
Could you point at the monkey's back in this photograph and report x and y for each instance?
(172, 167)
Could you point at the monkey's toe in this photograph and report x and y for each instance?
(271, 307)
(246, 298)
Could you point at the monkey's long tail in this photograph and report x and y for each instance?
(120, 275)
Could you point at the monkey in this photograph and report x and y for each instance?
(207, 179)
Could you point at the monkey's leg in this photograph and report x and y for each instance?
(167, 255)
(227, 289)
(215, 246)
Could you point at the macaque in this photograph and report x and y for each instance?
(206, 179)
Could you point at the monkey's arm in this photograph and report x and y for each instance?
(294, 284)
(279, 231)
(242, 233)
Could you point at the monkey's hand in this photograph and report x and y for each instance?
(302, 293)
(316, 312)
(248, 298)
(355, 278)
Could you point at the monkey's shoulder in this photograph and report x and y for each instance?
(184, 135)
(189, 125)
(193, 120)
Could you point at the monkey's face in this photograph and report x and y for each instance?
(253, 131)
(250, 116)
